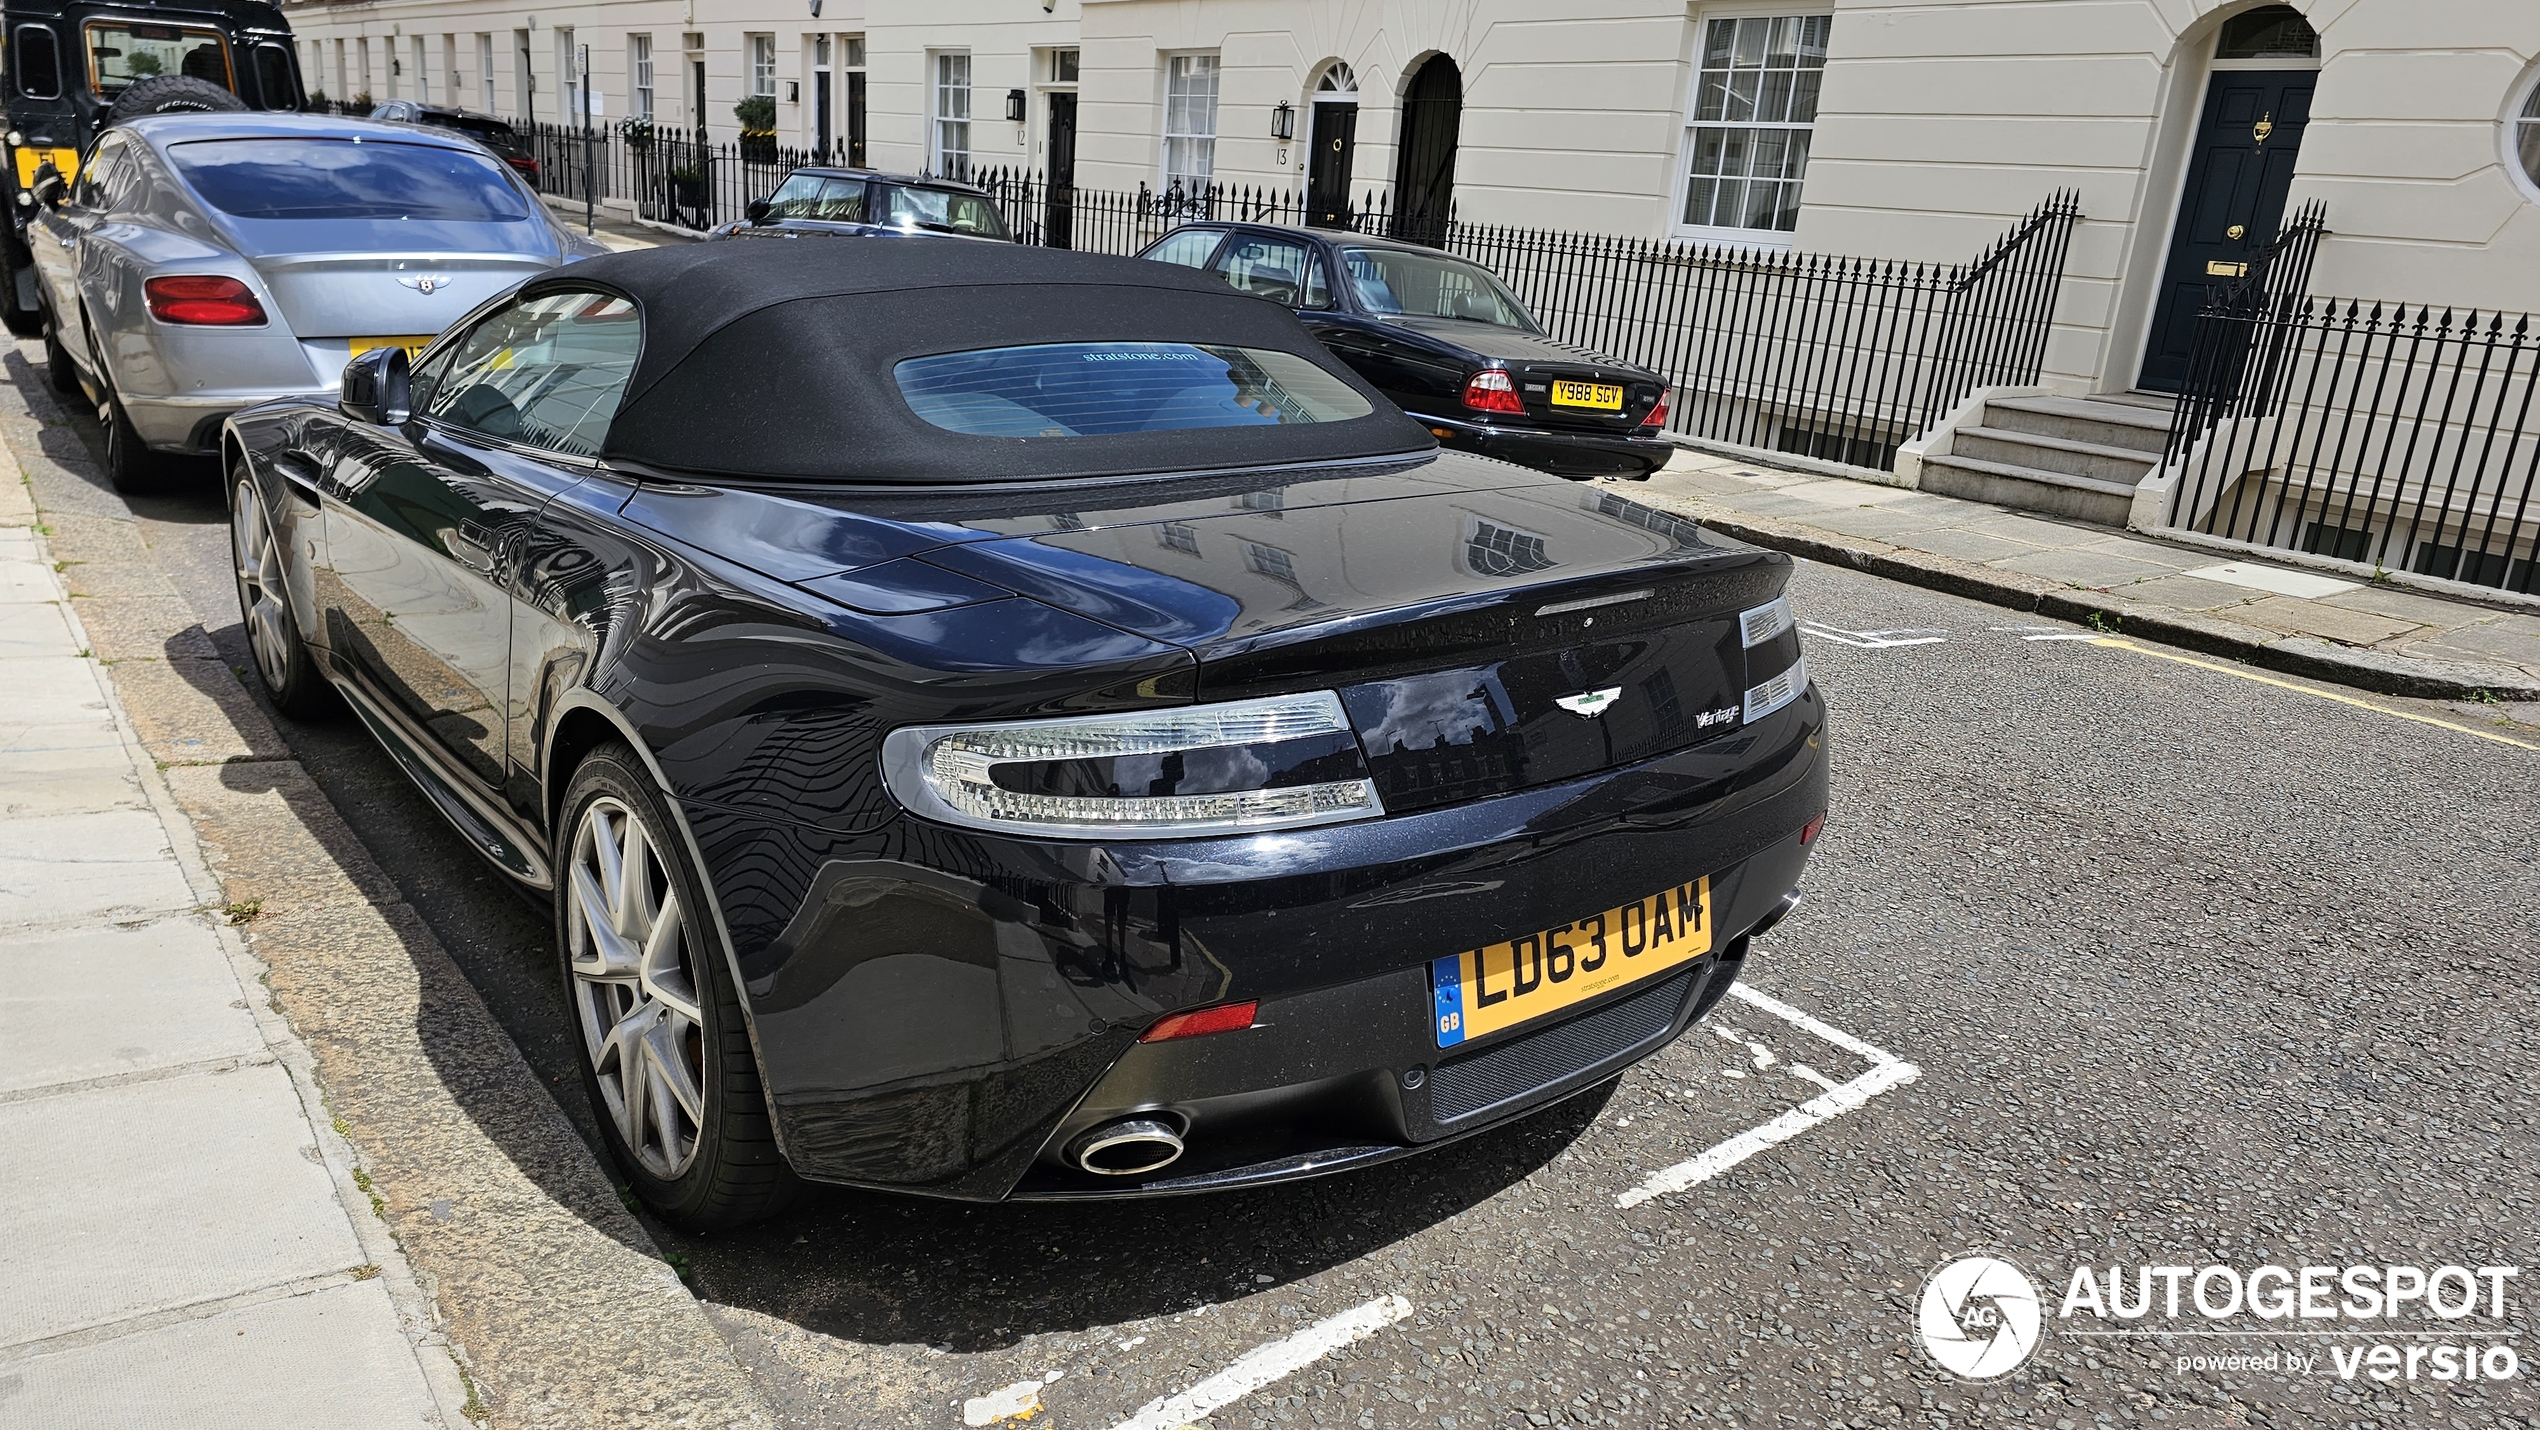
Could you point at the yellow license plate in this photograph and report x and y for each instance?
(414, 346)
(1603, 396)
(1484, 990)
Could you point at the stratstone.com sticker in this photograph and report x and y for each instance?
(1981, 1317)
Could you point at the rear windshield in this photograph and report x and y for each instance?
(119, 54)
(1431, 285)
(347, 179)
(941, 210)
(1104, 389)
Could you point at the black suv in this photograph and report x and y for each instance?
(75, 67)
(485, 129)
(1447, 341)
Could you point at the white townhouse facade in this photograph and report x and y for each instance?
(1891, 129)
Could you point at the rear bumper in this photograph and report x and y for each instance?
(192, 424)
(1568, 454)
(939, 1012)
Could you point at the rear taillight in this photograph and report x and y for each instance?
(208, 301)
(1808, 831)
(526, 166)
(1490, 391)
(1224, 1018)
(1658, 411)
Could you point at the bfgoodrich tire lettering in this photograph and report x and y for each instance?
(666, 1057)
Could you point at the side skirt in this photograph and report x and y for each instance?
(495, 833)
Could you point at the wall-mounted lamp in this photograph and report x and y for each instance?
(1014, 105)
(1283, 122)
(793, 91)
(815, 9)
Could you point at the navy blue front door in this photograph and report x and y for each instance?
(2237, 177)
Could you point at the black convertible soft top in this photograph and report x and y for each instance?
(774, 360)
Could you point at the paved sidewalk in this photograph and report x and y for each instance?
(182, 1238)
(2377, 637)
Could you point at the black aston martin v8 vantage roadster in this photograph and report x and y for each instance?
(1008, 723)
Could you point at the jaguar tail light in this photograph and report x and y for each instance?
(1234, 767)
(1658, 411)
(1490, 391)
(212, 300)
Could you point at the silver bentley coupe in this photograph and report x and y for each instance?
(203, 263)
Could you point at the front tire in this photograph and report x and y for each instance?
(666, 1057)
(284, 666)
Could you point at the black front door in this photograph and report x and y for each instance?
(1061, 232)
(1424, 174)
(820, 112)
(1335, 143)
(2237, 178)
(855, 119)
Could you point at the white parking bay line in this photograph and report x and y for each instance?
(1263, 1364)
(1886, 1071)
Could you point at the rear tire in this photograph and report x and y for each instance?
(666, 1056)
(284, 666)
(130, 464)
(59, 374)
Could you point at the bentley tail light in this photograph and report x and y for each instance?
(1228, 768)
(212, 300)
(1490, 391)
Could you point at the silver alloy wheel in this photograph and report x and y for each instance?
(635, 989)
(260, 595)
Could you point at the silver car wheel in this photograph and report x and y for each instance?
(260, 596)
(634, 988)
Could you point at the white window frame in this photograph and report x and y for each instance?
(762, 66)
(2522, 115)
(639, 70)
(485, 72)
(1177, 125)
(943, 95)
(1773, 239)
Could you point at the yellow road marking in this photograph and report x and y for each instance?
(2121, 643)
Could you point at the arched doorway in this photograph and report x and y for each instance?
(1331, 146)
(1424, 174)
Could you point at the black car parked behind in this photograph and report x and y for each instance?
(495, 134)
(1447, 341)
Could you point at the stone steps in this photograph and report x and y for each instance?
(2082, 498)
(2100, 422)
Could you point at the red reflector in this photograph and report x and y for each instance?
(1808, 831)
(1658, 415)
(208, 300)
(1490, 391)
(1224, 1018)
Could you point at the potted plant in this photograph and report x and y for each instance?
(758, 126)
(639, 136)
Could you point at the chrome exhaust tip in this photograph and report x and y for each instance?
(1126, 1148)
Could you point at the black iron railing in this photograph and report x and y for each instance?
(2276, 277)
(2397, 437)
(1841, 359)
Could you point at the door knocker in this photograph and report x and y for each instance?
(2235, 231)
(2266, 126)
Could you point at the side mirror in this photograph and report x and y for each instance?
(758, 210)
(378, 388)
(48, 188)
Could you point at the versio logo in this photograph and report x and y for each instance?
(1979, 1317)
